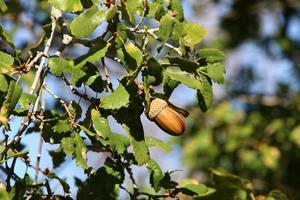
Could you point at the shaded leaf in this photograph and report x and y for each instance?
(63, 183)
(103, 184)
(184, 64)
(205, 94)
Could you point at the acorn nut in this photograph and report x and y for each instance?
(166, 117)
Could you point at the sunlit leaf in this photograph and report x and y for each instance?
(79, 26)
(67, 5)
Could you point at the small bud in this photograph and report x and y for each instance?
(166, 117)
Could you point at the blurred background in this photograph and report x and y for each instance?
(252, 130)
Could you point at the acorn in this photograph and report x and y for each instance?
(166, 117)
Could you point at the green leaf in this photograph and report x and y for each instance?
(194, 33)
(156, 10)
(67, 5)
(118, 99)
(276, 195)
(12, 97)
(68, 145)
(63, 183)
(3, 83)
(154, 72)
(205, 94)
(74, 145)
(5, 195)
(130, 56)
(169, 85)
(166, 27)
(80, 151)
(184, 78)
(6, 62)
(156, 175)
(59, 65)
(3, 6)
(154, 142)
(62, 126)
(197, 189)
(129, 8)
(58, 157)
(184, 64)
(216, 72)
(6, 37)
(225, 180)
(100, 124)
(84, 24)
(140, 151)
(211, 55)
(103, 184)
(117, 142)
(177, 9)
(94, 55)
(178, 31)
(24, 101)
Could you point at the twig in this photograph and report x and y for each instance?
(108, 80)
(151, 33)
(63, 103)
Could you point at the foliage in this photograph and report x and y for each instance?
(154, 45)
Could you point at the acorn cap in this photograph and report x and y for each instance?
(156, 106)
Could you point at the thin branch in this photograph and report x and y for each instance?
(64, 104)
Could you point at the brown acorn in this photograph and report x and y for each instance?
(166, 117)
